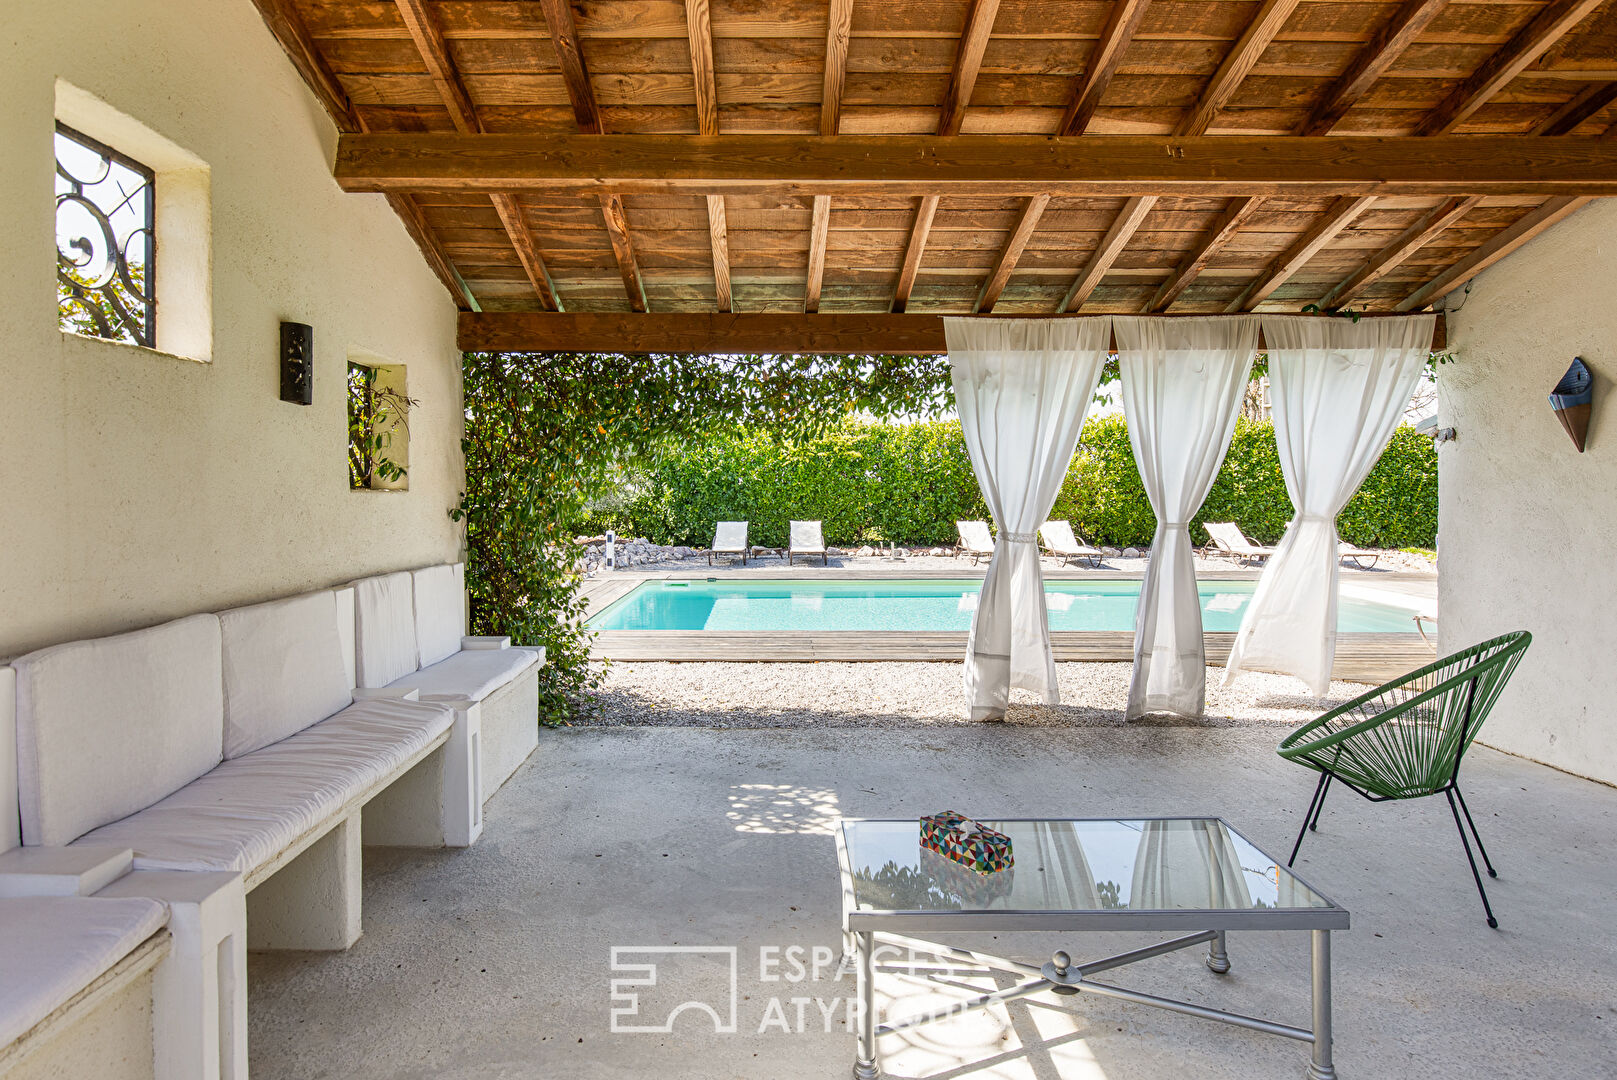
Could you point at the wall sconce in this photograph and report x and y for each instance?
(297, 363)
(1573, 401)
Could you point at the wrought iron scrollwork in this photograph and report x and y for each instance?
(105, 241)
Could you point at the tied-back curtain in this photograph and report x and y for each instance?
(1022, 387)
(1183, 380)
(1338, 389)
(1187, 864)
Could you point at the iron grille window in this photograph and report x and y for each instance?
(105, 242)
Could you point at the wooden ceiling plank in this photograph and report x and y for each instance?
(1371, 62)
(1411, 240)
(1228, 224)
(1508, 240)
(527, 247)
(1259, 33)
(617, 229)
(968, 62)
(836, 64)
(1527, 45)
(819, 234)
(1117, 238)
(988, 295)
(1584, 104)
(1322, 232)
(913, 251)
(1102, 65)
(570, 53)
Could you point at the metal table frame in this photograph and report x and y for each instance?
(866, 930)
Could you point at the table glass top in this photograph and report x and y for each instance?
(1124, 865)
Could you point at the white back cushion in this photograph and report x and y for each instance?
(109, 726)
(440, 611)
(384, 634)
(284, 669)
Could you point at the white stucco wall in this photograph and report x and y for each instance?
(139, 486)
(1527, 524)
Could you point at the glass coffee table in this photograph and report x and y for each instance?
(1196, 877)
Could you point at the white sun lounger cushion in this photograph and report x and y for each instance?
(807, 536)
(473, 674)
(440, 612)
(384, 629)
(246, 811)
(284, 670)
(51, 947)
(110, 725)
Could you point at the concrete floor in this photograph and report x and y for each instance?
(495, 962)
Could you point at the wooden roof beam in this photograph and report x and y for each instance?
(968, 61)
(699, 27)
(1508, 61)
(1269, 20)
(1372, 61)
(1228, 224)
(919, 231)
(819, 236)
(1497, 247)
(1585, 103)
(617, 230)
(1411, 240)
(836, 65)
(1117, 238)
(1102, 65)
(527, 246)
(1341, 214)
(988, 295)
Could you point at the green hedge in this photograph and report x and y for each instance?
(909, 483)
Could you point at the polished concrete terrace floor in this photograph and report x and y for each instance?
(497, 961)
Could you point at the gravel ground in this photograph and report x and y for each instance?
(721, 695)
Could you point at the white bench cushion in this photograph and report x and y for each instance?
(384, 629)
(246, 811)
(108, 726)
(284, 670)
(51, 947)
(440, 612)
(473, 674)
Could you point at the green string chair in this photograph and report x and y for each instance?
(1405, 740)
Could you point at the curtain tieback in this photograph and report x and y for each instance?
(1019, 538)
(1176, 524)
(1315, 517)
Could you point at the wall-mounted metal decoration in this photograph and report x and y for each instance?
(1573, 401)
(105, 244)
(297, 363)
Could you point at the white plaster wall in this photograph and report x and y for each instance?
(137, 486)
(1528, 526)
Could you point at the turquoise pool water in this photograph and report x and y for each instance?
(926, 605)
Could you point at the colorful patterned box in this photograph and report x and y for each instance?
(969, 843)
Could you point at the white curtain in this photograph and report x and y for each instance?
(1021, 387)
(1187, 864)
(1338, 389)
(1182, 385)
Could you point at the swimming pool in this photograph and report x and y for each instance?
(934, 604)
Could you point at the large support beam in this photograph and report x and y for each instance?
(915, 165)
(1507, 62)
(988, 295)
(1117, 238)
(1102, 65)
(1237, 63)
(1502, 244)
(1229, 223)
(968, 61)
(913, 251)
(1411, 240)
(705, 332)
(819, 236)
(1372, 61)
(1341, 214)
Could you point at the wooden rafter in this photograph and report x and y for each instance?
(1527, 45)
(617, 230)
(913, 251)
(1584, 104)
(1117, 238)
(509, 208)
(1228, 224)
(1422, 232)
(819, 235)
(698, 332)
(1372, 61)
(988, 295)
(699, 27)
(1237, 63)
(1497, 247)
(415, 223)
(836, 64)
(968, 61)
(896, 165)
(1341, 214)
(719, 235)
(1103, 62)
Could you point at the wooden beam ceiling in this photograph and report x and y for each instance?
(1259, 33)
(1500, 245)
(838, 30)
(1338, 217)
(617, 230)
(1411, 240)
(968, 62)
(1371, 63)
(699, 27)
(989, 294)
(890, 165)
(1102, 65)
(707, 332)
(919, 231)
(1228, 224)
(819, 234)
(509, 208)
(1117, 237)
(1587, 103)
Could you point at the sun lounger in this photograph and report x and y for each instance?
(729, 538)
(807, 538)
(1060, 542)
(1228, 540)
(975, 540)
(1358, 555)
